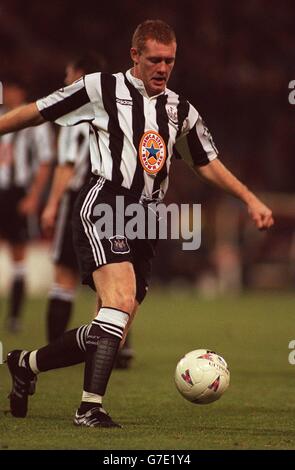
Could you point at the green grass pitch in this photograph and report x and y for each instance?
(252, 332)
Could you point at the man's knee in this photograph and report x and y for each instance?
(66, 277)
(116, 286)
(121, 300)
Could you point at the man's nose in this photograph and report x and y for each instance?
(162, 67)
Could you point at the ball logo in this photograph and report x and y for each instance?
(187, 378)
(152, 152)
(214, 386)
(208, 356)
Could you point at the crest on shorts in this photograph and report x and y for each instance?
(119, 245)
(152, 152)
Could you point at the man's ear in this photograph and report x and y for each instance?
(134, 55)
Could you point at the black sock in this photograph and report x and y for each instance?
(99, 362)
(16, 299)
(58, 315)
(102, 344)
(67, 350)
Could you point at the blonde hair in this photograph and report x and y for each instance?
(152, 29)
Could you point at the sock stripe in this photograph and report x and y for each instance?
(33, 362)
(80, 336)
(21, 362)
(107, 324)
(78, 339)
(61, 293)
(82, 345)
(112, 332)
(110, 321)
(84, 334)
(113, 316)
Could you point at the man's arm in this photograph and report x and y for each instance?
(216, 173)
(20, 118)
(62, 177)
(29, 204)
(67, 107)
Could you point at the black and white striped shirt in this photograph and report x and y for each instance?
(73, 148)
(21, 153)
(134, 135)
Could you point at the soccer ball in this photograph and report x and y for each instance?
(202, 376)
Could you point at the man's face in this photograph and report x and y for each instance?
(154, 64)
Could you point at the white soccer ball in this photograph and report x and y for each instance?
(202, 376)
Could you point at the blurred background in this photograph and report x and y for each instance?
(234, 63)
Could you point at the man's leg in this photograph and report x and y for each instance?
(17, 290)
(24, 365)
(130, 321)
(116, 287)
(66, 272)
(98, 342)
(60, 301)
(67, 350)
(126, 353)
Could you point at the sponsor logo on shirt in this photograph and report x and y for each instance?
(124, 102)
(152, 152)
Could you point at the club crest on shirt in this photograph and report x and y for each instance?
(119, 245)
(172, 114)
(152, 152)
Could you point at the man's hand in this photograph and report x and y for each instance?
(48, 219)
(260, 213)
(216, 173)
(28, 205)
(61, 179)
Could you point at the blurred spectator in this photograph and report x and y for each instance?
(25, 160)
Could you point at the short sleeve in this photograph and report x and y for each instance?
(195, 143)
(67, 106)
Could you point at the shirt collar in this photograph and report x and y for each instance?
(139, 85)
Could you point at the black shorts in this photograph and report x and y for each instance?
(93, 251)
(63, 246)
(13, 225)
